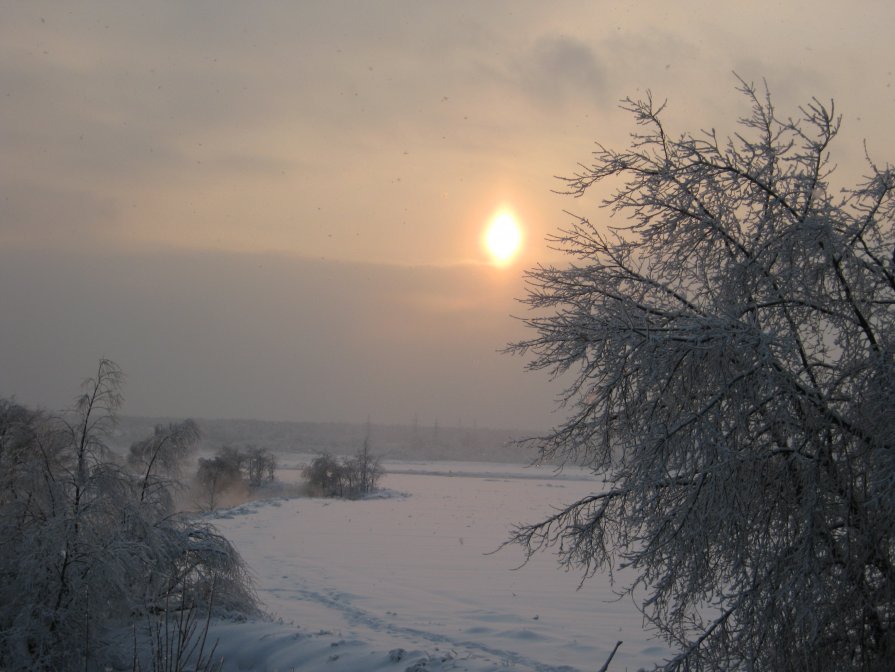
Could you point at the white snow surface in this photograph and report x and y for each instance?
(408, 580)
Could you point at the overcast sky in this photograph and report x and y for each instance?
(274, 209)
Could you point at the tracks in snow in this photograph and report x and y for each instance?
(414, 636)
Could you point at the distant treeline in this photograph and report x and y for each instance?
(411, 442)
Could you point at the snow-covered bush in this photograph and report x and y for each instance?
(731, 352)
(85, 544)
(232, 475)
(324, 476)
(349, 477)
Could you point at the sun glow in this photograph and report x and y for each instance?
(502, 238)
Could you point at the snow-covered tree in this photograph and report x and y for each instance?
(230, 475)
(728, 348)
(166, 451)
(218, 475)
(325, 476)
(350, 477)
(366, 467)
(85, 543)
(260, 466)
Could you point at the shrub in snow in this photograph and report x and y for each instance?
(350, 477)
(86, 543)
(230, 475)
(731, 353)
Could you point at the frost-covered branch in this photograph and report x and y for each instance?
(729, 352)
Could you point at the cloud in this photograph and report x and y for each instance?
(54, 215)
(558, 69)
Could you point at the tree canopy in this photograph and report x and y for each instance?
(729, 351)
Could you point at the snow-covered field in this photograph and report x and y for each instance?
(406, 581)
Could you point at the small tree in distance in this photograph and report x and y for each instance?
(350, 477)
(731, 352)
(367, 467)
(325, 476)
(215, 476)
(260, 466)
(232, 474)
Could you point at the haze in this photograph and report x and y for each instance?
(275, 210)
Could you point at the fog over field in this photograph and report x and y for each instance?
(392, 442)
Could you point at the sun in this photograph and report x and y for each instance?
(502, 238)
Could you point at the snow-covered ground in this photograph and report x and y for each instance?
(409, 580)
